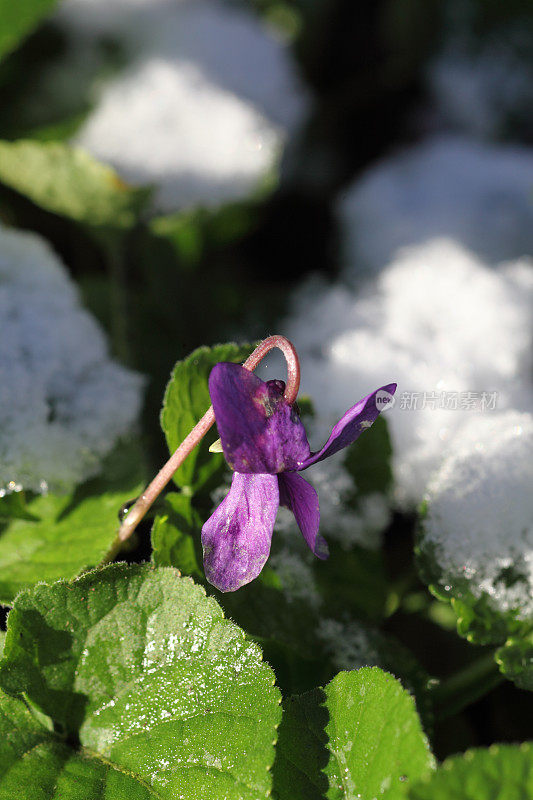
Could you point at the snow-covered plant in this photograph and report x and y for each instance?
(476, 538)
(478, 524)
(203, 107)
(176, 699)
(416, 319)
(64, 401)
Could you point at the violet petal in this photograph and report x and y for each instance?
(302, 499)
(259, 430)
(236, 537)
(356, 420)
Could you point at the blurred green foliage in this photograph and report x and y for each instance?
(19, 19)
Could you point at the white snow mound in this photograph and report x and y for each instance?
(480, 511)
(64, 401)
(205, 105)
(452, 332)
(479, 195)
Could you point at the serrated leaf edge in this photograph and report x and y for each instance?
(148, 567)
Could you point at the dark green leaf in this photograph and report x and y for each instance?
(369, 462)
(18, 19)
(36, 765)
(515, 660)
(14, 506)
(176, 536)
(353, 581)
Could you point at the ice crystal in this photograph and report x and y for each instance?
(348, 644)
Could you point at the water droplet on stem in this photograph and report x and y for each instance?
(125, 509)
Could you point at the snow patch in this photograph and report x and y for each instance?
(440, 323)
(205, 105)
(480, 511)
(479, 195)
(64, 401)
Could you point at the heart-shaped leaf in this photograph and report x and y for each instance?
(139, 666)
(176, 536)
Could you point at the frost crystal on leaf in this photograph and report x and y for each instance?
(480, 511)
(416, 323)
(476, 194)
(64, 401)
(205, 105)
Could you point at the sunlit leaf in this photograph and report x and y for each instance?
(70, 182)
(70, 533)
(503, 771)
(139, 665)
(358, 738)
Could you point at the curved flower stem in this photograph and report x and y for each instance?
(291, 357)
(150, 494)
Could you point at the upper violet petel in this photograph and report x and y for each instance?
(265, 444)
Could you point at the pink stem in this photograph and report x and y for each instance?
(143, 503)
(291, 357)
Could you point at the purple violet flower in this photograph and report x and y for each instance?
(265, 445)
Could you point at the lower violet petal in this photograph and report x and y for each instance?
(302, 499)
(236, 538)
(352, 424)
